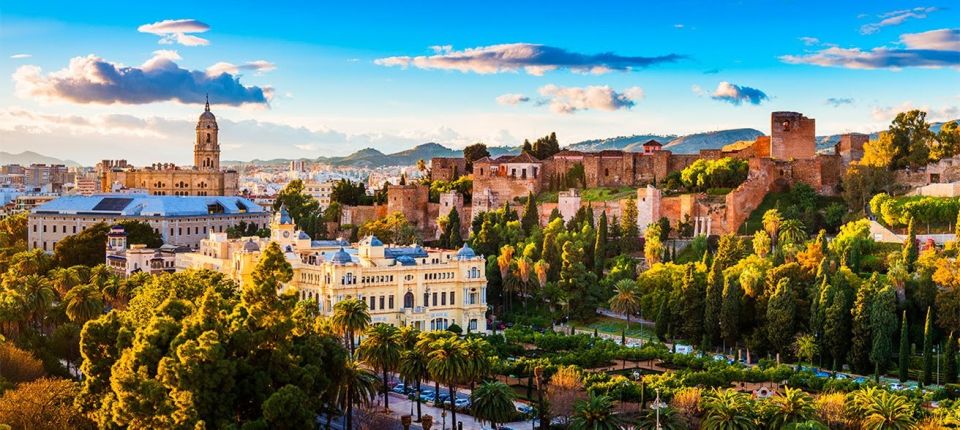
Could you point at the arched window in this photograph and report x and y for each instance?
(408, 300)
(208, 137)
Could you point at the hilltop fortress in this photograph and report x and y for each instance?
(776, 162)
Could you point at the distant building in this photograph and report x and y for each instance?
(205, 178)
(125, 261)
(180, 221)
(321, 191)
(43, 176)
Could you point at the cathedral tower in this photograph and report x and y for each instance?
(206, 151)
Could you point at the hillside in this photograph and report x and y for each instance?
(693, 143)
(619, 142)
(27, 158)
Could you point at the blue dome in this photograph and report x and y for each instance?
(372, 241)
(466, 252)
(303, 236)
(406, 260)
(341, 257)
(285, 216)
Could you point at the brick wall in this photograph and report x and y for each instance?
(793, 136)
(447, 168)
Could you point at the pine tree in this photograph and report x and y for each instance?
(600, 245)
(531, 218)
(910, 251)
(950, 360)
(928, 348)
(904, 357)
(714, 302)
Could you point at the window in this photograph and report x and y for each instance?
(382, 298)
(426, 299)
(434, 294)
(407, 300)
(472, 326)
(452, 300)
(391, 301)
(443, 298)
(373, 303)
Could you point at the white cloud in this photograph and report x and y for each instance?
(896, 17)
(177, 31)
(810, 41)
(532, 58)
(735, 94)
(571, 99)
(512, 99)
(20, 56)
(888, 113)
(934, 49)
(259, 67)
(92, 79)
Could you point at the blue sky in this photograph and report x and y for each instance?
(298, 80)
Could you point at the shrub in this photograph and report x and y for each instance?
(18, 365)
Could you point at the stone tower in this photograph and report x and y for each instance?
(792, 136)
(206, 150)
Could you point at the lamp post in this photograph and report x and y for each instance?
(937, 350)
(656, 406)
(443, 420)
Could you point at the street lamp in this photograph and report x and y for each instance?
(657, 404)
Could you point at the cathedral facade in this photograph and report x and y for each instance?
(205, 178)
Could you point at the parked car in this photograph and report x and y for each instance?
(399, 389)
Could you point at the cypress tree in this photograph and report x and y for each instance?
(950, 360)
(554, 214)
(860, 342)
(836, 327)
(904, 349)
(692, 310)
(730, 312)
(910, 252)
(663, 320)
(883, 325)
(531, 217)
(714, 303)
(599, 245)
(781, 314)
(956, 227)
(928, 348)
(453, 235)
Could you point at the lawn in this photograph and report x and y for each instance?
(614, 326)
(600, 194)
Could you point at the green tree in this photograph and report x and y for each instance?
(662, 326)
(44, 404)
(861, 342)
(350, 316)
(781, 315)
(84, 302)
(928, 349)
(629, 231)
(692, 306)
(836, 326)
(447, 365)
(730, 312)
(493, 402)
(595, 413)
(883, 325)
(714, 301)
(531, 216)
(287, 409)
(805, 346)
(910, 251)
(911, 137)
(473, 153)
(653, 248)
(600, 245)
(792, 407)
(626, 299)
(356, 386)
(727, 410)
(950, 359)
(413, 368)
(904, 353)
(297, 202)
(381, 350)
(393, 228)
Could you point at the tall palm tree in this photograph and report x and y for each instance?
(413, 369)
(63, 279)
(381, 350)
(524, 270)
(477, 358)
(727, 410)
(37, 296)
(84, 303)
(425, 345)
(626, 299)
(356, 386)
(350, 316)
(792, 407)
(888, 411)
(493, 402)
(595, 413)
(447, 364)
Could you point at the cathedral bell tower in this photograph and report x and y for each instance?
(206, 150)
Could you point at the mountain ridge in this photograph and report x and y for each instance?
(27, 158)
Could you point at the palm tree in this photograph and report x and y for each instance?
(350, 316)
(478, 359)
(413, 369)
(727, 410)
(117, 292)
(806, 347)
(504, 261)
(595, 413)
(524, 270)
(792, 232)
(356, 386)
(84, 303)
(771, 223)
(447, 364)
(666, 417)
(493, 402)
(63, 279)
(888, 411)
(37, 297)
(425, 346)
(792, 407)
(381, 350)
(625, 298)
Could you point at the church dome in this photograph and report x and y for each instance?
(251, 246)
(207, 117)
(466, 253)
(341, 257)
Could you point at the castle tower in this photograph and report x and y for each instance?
(206, 150)
(648, 206)
(792, 136)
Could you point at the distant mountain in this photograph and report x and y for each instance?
(619, 142)
(27, 158)
(693, 143)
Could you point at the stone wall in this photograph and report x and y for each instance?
(850, 147)
(413, 202)
(359, 215)
(793, 136)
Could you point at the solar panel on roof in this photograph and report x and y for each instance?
(112, 204)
